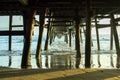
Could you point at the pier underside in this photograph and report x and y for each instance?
(64, 17)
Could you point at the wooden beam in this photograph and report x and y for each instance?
(17, 26)
(117, 19)
(24, 2)
(59, 16)
(13, 33)
(102, 16)
(62, 21)
(61, 25)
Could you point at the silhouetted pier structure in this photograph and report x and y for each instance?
(64, 16)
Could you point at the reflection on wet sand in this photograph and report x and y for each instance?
(111, 59)
(62, 60)
(99, 64)
(10, 61)
(39, 62)
(46, 61)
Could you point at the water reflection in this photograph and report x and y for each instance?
(10, 61)
(118, 61)
(98, 55)
(63, 60)
(111, 60)
(46, 61)
(39, 62)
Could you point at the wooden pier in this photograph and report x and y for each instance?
(64, 18)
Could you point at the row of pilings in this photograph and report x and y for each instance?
(28, 19)
(28, 37)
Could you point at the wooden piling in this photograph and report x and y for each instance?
(48, 34)
(29, 14)
(77, 29)
(10, 36)
(111, 39)
(113, 27)
(70, 37)
(66, 38)
(81, 40)
(39, 44)
(97, 35)
(88, 36)
(51, 35)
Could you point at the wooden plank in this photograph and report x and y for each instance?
(17, 26)
(13, 33)
(61, 25)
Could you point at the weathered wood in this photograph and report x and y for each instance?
(97, 34)
(113, 27)
(10, 36)
(88, 36)
(26, 56)
(39, 44)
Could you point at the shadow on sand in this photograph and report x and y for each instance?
(61, 74)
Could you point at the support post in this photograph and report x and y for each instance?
(113, 27)
(77, 29)
(39, 44)
(29, 24)
(88, 36)
(111, 39)
(70, 37)
(81, 36)
(51, 35)
(48, 34)
(97, 34)
(66, 38)
(10, 36)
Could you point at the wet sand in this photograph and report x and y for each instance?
(59, 74)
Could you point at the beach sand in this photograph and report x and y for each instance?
(59, 74)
